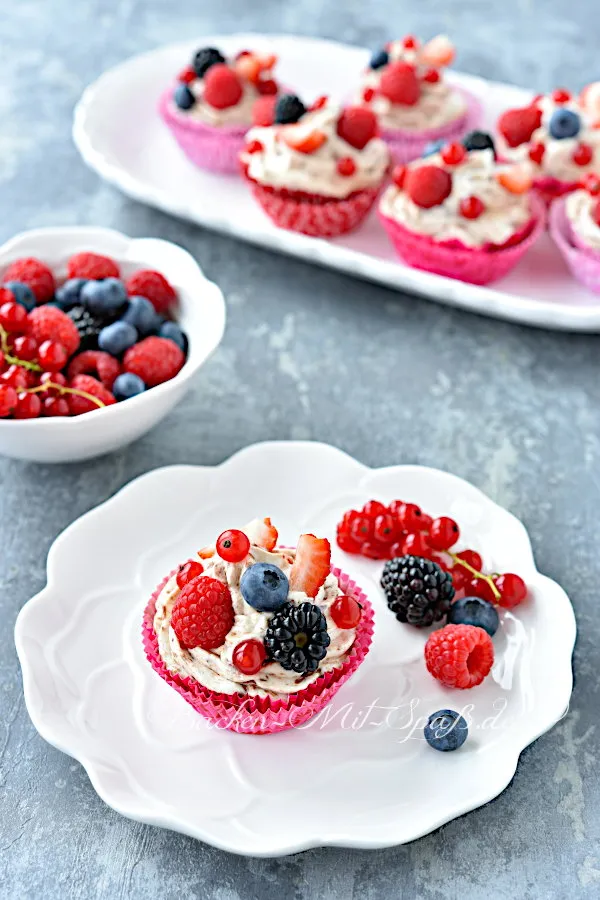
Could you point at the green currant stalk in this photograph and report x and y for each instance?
(13, 360)
(458, 561)
(49, 385)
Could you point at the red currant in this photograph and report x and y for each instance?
(368, 94)
(362, 528)
(443, 534)
(453, 154)
(471, 207)
(397, 549)
(410, 42)
(410, 517)
(513, 590)
(56, 378)
(249, 656)
(536, 153)
(254, 147)
(346, 166)
(373, 550)
(480, 587)
(345, 612)
(384, 529)
(415, 544)
(426, 522)
(582, 155)
(8, 400)
(374, 508)
(186, 76)
(15, 376)
(56, 406)
(472, 558)
(591, 183)
(347, 543)
(190, 569)
(431, 76)
(29, 406)
(319, 103)
(398, 176)
(13, 317)
(52, 356)
(560, 95)
(460, 578)
(233, 546)
(25, 348)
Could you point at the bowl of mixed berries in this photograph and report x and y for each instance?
(99, 337)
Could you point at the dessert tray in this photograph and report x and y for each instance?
(361, 776)
(119, 134)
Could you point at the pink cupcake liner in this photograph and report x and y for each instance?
(214, 149)
(550, 189)
(583, 262)
(264, 714)
(453, 259)
(407, 145)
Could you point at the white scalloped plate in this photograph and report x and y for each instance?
(119, 134)
(91, 693)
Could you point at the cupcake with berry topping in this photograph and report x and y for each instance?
(558, 136)
(575, 228)
(461, 214)
(318, 170)
(209, 110)
(405, 87)
(258, 637)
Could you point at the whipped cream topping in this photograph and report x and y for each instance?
(505, 213)
(557, 161)
(578, 207)
(438, 104)
(280, 166)
(240, 114)
(214, 668)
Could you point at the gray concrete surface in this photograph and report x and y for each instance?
(389, 378)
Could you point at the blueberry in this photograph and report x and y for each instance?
(116, 338)
(446, 730)
(105, 297)
(564, 123)
(22, 293)
(288, 109)
(478, 140)
(474, 611)
(127, 385)
(173, 332)
(68, 294)
(141, 314)
(205, 58)
(433, 147)
(183, 97)
(264, 587)
(379, 59)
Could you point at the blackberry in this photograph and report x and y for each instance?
(88, 326)
(297, 637)
(417, 590)
(288, 109)
(479, 140)
(204, 59)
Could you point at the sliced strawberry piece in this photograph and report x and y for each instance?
(249, 67)
(298, 138)
(439, 51)
(517, 125)
(517, 179)
(312, 564)
(262, 533)
(206, 552)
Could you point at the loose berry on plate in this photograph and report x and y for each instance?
(249, 656)
(29, 406)
(204, 59)
(68, 294)
(288, 109)
(560, 95)
(202, 614)
(432, 147)
(416, 544)
(417, 590)
(431, 76)
(55, 407)
(536, 153)
(154, 360)
(374, 508)
(154, 286)
(379, 59)
(264, 587)
(446, 730)
(410, 516)
(512, 588)
(22, 293)
(183, 97)
(8, 400)
(347, 543)
(474, 611)
(311, 565)
(233, 546)
(106, 298)
(79, 405)
(47, 323)
(117, 338)
(398, 176)
(453, 154)
(263, 111)
(304, 141)
(141, 314)
(374, 550)
(481, 587)
(564, 123)
(515, 179)
(187, 75)
(400, 84)
(127, 385)
(187, 571)
(384, 529)
(479, 140)
(92, 265)
(262, 533)
(582, 155)
(357, 125)
(471, 207)
(428, 186)
(297, 637)
(52, 356)
(13, 317)
(459, 656)
(173, 332)
(472, 558)
(88, 326)
(345, 612)
(25, 347)
(35, 274)
(517, 125)
(267, 87)
(443, 534)
(346, 166)
(439, 51)
(16, 376)
(94, 362)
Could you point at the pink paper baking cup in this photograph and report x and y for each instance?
(264, 714)
(453, 259)
(407, 145)
(583, 262)
(214, 149)
(550, 189)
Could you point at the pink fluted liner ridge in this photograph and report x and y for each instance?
(583, 262)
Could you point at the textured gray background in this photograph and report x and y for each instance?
(386, 377)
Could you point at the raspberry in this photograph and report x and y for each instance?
(47, 323)
(357, 125)
(399, 83)
(92, 266)
(459, 655)
(154, 360)
(202, 615)
(222, 87)
(94, 362)
(35, 274)
(267, 87)
(153, 286)
(428, 186)
(263, 111)
(79, 405)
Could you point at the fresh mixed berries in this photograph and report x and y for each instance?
(202, 615)
(459, 656)
(73, 347)
(407, 69)
(219, 83)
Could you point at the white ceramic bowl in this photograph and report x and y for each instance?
(201, 315)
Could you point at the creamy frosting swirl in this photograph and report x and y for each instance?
(578, 207)
(505, 213)
(214, 668)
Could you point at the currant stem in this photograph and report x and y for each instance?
(62, 390)
(14, 360)
(458, 561)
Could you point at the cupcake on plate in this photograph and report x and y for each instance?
(575, 228)
(406, 88)
(318, 170)
(256, 637)
(558, 135)
(460, 213)
(209, 109)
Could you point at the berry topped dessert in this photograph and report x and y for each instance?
(73, 346)
(405, 86)
(315, 170)
(575, 228)
(255, 636)
(557, 135)
(460, 213)
(210, 108)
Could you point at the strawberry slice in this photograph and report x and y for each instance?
(206, 552)
(516, 179)
(262, 533)
(249, 67)
(312, 564)
(298, 138)
(517, 125)
(439, 51)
